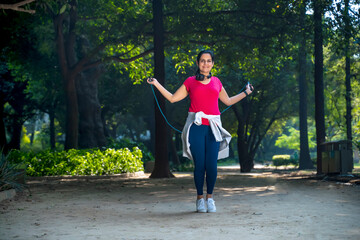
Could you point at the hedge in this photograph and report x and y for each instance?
(79, 162)
(284, 160)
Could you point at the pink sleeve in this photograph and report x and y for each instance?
(187, 83)
(219, 84)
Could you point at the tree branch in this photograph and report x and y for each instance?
(16, 6)
(127, 60)
(80, 64)
(117, 59)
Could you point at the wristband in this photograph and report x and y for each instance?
(246, 93)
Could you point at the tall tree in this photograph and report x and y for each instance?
(305, 160)
(347, 36)
(318, 81)
(161, 168)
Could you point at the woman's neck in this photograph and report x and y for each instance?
(206, 81)
(204, 73)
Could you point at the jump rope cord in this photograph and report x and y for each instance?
(157, 102)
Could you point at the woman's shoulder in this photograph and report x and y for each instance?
(217, 80)
(189, 80)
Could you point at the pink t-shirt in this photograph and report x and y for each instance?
(204, 97)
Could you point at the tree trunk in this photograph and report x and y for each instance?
(348, 73)
(161, 168)
(319, 82)
(65, 46)
(18, 119)
(305, 160)
(91, 130)
(16, 128)
(72, 115)
(245, 160)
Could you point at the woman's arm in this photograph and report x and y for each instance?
(179, 95)
(228, 101)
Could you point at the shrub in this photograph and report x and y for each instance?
(281, 160)
(187, 166)
(9, 174)
(128, 143)
(80, 162)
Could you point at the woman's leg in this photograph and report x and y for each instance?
(211, 157)
(197, 147)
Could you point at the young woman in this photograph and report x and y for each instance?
(204, 139)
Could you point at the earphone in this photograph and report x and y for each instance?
(201, 77)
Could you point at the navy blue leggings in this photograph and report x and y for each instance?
(204, 150)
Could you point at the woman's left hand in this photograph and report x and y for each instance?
(249, 88)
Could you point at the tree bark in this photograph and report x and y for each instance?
(161, 168)
(305, 160)
(319, 82)
(245, 160)
(72, 114)
(17, 103)
(91, 130)
(65, 45)
(348, 74)
(16, 128)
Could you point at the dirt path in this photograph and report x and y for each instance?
(250, 206)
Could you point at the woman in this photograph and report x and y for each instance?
(205, 141)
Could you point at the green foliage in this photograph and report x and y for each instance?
(258, 42)
(9, 174)
(357, 144)
(284, 160)
(334, 93)
(186, 166)
(128, 143)
(292, 139)
(80, 162)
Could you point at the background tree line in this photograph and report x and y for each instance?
(82, 65)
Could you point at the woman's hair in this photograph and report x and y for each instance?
(198, 75)
(205, 51)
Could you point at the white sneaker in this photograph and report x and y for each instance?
(200, 205)
(211, 205)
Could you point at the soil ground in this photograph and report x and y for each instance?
(258, 205)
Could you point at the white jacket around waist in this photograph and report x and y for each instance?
(220, 134)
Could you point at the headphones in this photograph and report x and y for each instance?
(201, 77)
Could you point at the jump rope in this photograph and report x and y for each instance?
(157, 103)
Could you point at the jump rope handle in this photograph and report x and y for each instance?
(251, 87)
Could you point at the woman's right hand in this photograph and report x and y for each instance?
(151, 81)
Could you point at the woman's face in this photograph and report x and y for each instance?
(205, 63)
